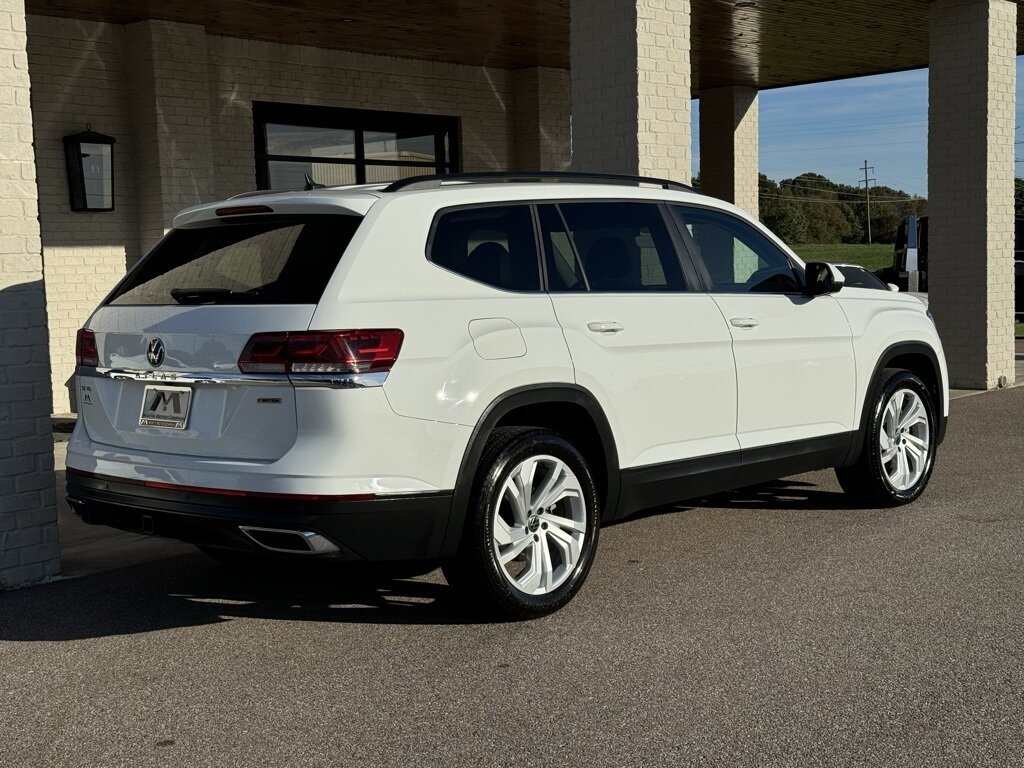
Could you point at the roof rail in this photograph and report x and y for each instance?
(434, 182)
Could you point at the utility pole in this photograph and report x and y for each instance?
(867, 192)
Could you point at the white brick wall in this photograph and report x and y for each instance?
(971, 112)
(28, 516)
(169, 88)
(78, 77)
(179, 103)
(541, 119)
(631, 87)
(244, 71)
(728, 145)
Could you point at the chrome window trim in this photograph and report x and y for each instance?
(327, 380)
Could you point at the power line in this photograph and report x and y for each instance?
(820, 189)
(875, 201)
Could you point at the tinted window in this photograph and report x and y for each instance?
(739, 259)
(858, 277)
(565, 273)
(624, 246)
(284, 260)
(493, 245)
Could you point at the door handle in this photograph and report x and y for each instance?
(606, 326)
(744, 322)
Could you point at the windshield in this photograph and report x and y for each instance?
(270, 260)
(858, 277)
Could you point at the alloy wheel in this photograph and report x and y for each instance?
(539, 525)
(904, 439)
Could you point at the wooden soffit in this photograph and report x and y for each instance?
(762, 43)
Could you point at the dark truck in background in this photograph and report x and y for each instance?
(913, 234)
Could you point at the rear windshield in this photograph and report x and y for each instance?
(278, 260)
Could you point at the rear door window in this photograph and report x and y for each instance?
(624, 247)
(492, 244)
(274, 260)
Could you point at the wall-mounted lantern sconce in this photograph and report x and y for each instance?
(90, 162)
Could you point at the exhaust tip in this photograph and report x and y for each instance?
(290, 541)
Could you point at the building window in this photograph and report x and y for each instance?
(348, 146)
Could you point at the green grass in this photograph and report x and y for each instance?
(1018, 327)
(871, 257)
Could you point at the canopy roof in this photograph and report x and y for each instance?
(763, 43)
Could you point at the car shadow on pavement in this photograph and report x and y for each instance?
(785, 495)
(190, 590)
(782, 494)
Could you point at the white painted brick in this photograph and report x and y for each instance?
(26, 550)
(729, 145)
(631, 87)
(972, 94)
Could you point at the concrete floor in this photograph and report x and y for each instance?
(87, 549)
(772, 626)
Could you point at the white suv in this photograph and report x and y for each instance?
(480, 370)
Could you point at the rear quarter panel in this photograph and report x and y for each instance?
(386, 281)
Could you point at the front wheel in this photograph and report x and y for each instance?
(532, 526)
(898, 453)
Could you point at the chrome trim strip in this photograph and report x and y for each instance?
(328, 380)
(339, 380)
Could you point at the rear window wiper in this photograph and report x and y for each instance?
(210, 295)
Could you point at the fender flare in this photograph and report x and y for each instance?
(534, 394)
(890, 353)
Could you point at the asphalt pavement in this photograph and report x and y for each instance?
(769, 627)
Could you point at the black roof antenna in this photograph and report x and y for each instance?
(310, 184)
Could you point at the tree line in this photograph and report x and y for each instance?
(813, 209)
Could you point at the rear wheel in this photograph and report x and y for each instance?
(898, 453)
(532, 526)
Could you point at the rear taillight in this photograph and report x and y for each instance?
(321, 352)
(86, 351)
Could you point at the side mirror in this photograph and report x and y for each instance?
(821, 278)
(893, 287)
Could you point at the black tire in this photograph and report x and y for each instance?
(866, 480)
(475, 573)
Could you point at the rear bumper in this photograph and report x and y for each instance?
(407, 527)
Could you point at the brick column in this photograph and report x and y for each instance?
(631, 87)
(169, 87)
(728, 145)
(28, 514)
(972, 88)
(540, 119)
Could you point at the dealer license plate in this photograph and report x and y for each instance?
(165, 407)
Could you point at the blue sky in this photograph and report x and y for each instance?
(832, 128)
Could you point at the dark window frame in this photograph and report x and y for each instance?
(697, 257)
(359, 121)
(529, 205)
(691, 277)
(692, 281)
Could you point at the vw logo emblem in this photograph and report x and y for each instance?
(155, 352)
